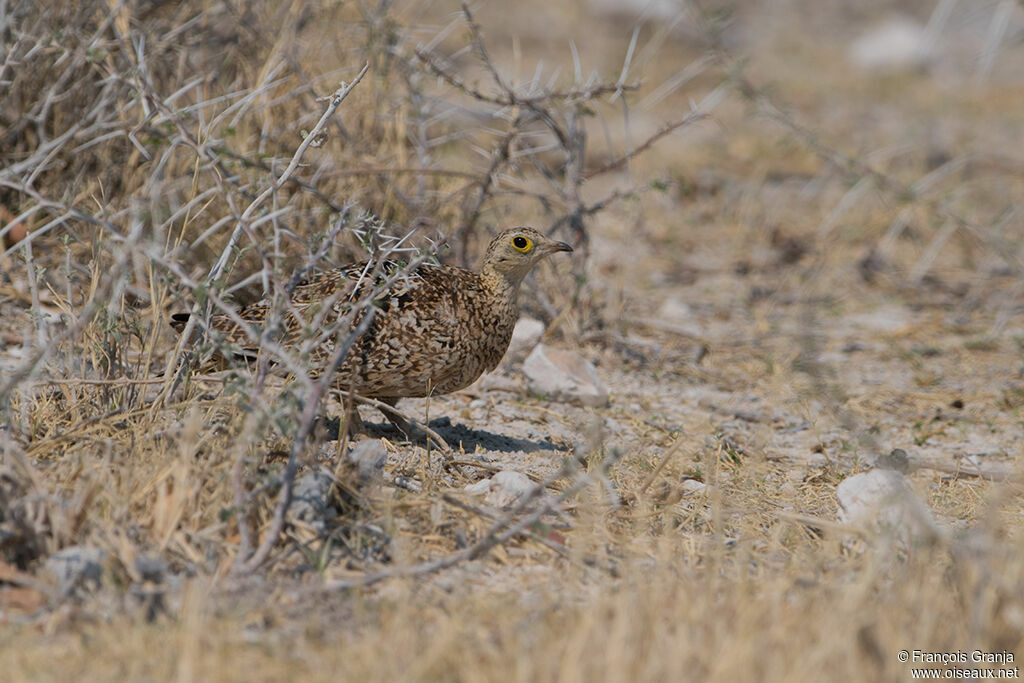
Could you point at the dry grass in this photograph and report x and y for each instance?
(846, 249)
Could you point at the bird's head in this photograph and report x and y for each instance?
(514, 252)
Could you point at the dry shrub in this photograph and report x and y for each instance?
(178, 155)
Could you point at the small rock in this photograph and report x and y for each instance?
(564, 376)
(369, 457)
(309, 498)
(886, 320)
(480, 488)
(675, 310)
(76, 567)
(508, 487)
(494, 381)
(151, 568)
(525, 336)
(897, 43)
(504, 489)
(694, 486)
(881, 501)
(681, 317)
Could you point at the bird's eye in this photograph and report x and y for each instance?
(522, 244)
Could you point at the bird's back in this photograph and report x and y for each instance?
(435, 330)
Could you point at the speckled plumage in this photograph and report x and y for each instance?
(435, 331)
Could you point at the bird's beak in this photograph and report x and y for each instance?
(552, 246)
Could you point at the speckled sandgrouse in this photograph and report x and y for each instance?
(434, 332)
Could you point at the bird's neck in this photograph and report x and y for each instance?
(501, 284)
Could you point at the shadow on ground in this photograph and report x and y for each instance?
(456, 435)
(471, 439)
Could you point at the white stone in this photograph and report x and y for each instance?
(310, 498)
(480, 488)
(694, 486)
(564, 376)
(897, 43)
(884, 320)
(679, 316)
(495, 381)
(525, 335)
(881, 502)
(504, 489)
(675, 310)
(369, 457)
(508, 487)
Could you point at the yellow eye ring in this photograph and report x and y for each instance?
(522, 244)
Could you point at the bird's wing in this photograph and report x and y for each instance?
(336, 288)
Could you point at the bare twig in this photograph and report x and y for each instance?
(494, 537)
(480, 512)
(247, 564)
(499, 157)
(392, 410)
(334, 102)
(693, 116)
(506, 527)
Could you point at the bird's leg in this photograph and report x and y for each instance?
(400, 422)
(354, 422)
(412, 431)
(350, 416)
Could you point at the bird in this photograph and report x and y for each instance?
(435, 330)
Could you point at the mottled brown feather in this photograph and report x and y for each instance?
(435, 331)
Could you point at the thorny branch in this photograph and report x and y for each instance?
(246, 564)
(334, 102)
(561, 114)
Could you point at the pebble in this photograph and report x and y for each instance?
(504, 490)
(309, 498)
(480, 488)
(681, 316)
(882, 502)
(75, 568)
(508, 487)
(694, 486)
(495, 381)
(369, 457)
(564, 376)
(897, 43)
